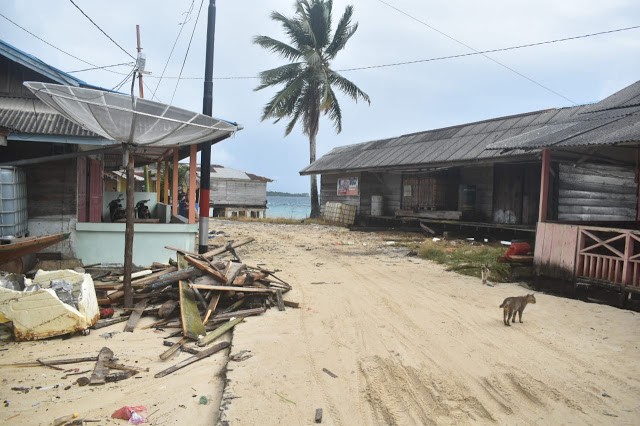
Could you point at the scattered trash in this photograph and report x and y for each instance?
(109, 335)
(60, 421)
(318, 417)
(329, 373)
(203, 400)
(241, 356)
(106, 313)
(135, 415)
(435, 239)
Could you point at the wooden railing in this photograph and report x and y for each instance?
(609, 254)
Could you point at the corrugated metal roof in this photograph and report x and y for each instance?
(221, 172)
(40, 66)
(615, 119)
(465, 142)
(27, 115)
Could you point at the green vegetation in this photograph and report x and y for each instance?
(462, 257)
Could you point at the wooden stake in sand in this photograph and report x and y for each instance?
(203, 354)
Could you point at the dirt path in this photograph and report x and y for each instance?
(413, 344)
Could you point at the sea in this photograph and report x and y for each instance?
(288, 207)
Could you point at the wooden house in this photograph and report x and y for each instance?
(65, 167)
(235, 193)
(499, 173)
(588, 230)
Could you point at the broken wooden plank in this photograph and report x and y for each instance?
(174, 277)
(173, 349)
(135, 315)
(279, 300)
(179, 250)
(238, 314)
(220, 250)
(329, 373)
(143, 282)
(291, 304)
(213, 303)
(101, 370)
(318, 418)
(233, 288)
(192, 325)
(167, 308)
(138, 274)
(210, 337)
(183, 348)
(107, 322)
(232, 271)
(206, 268)
(234, 306)
(202, 354)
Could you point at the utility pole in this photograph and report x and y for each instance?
(147, 187)
(205, 147)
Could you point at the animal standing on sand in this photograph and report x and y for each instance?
(512, 305)
(485, 272)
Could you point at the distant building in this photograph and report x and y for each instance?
(235, 193)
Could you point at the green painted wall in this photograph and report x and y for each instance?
(104, 242)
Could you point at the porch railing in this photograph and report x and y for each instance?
(609, 254)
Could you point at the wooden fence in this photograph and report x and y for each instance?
(610, 256)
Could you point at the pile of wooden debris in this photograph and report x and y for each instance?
(201, 295)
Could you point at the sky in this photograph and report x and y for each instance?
(404, 99)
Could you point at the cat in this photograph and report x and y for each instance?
(513, 305)
(485, 272)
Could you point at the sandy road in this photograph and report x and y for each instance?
(414, 344)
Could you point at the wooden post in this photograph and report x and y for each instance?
(192, 183)
(544, 185)
(158, 168)
(128, 233)
(166, 182)
(174, 185)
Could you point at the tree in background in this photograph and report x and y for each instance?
(308, 81)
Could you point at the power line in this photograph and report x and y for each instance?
(182, 25)
(101, 30)
(101, 68)
(480, 52)
(56, 47)
(186, 54)
(475, 50)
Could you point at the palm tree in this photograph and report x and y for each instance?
(308, 81)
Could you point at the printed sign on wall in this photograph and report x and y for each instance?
(348, 186)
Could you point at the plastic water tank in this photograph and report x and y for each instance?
(376, 205)
(13, 202)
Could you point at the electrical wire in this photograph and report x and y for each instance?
(182, 25)
(100, 68)
(187, 52)
(101, 30)
(476, 51)
(56, 47)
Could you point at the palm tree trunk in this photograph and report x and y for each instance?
(315, 204)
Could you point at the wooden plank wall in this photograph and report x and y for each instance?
(596, 193)
(482, 178)
(555, 250)
(238, 193)
(51, 189)
(329, 190)
(516, 193)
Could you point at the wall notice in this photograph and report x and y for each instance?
(348, 186)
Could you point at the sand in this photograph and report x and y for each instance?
(409, 342)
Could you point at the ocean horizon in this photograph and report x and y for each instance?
(297, 207)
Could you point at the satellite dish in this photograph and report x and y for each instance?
(130, 120)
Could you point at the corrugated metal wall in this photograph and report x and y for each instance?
(593, 193)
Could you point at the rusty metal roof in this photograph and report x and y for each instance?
(28, 115)
(612, 121)
(462, 143)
